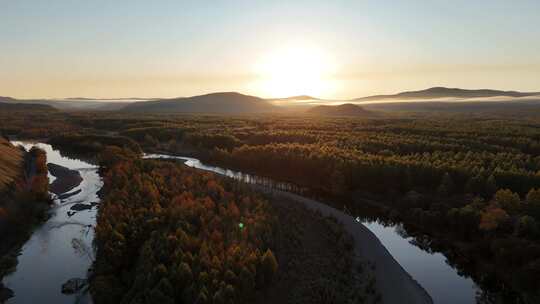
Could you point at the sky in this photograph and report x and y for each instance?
(330, 49)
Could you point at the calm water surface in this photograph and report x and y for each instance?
(431, 270)
(61, 248)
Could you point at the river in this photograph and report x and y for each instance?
(61, 248)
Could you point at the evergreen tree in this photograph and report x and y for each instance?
(446, 187)
(269, 266)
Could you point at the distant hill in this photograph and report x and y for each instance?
(299, 97)
(501, 108)
(442, 92)
(7, 99)
(9, 106)
(226, 103)
(347, 109)
(72, 104)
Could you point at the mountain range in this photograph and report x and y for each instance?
(72, 104)
(442, 92)
(236, 103)
(225, 103)
(11, 106)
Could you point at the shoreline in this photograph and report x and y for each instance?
(314, 252)
(393, 282)
(34, 206)
(71, 244)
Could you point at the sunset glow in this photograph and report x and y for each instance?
(296, 71)
(276, 152)
(344, 50)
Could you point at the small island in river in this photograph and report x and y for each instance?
(66, 179)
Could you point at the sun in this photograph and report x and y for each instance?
(295, 71)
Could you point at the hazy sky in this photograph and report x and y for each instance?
(335, 49)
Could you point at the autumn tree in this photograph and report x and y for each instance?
(492, 217)
(507, 200)
(533, 202)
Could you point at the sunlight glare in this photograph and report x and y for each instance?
(295, 71)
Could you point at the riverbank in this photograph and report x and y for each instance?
(62, 245)
(316, 259)
(24, 203)
(392, 281)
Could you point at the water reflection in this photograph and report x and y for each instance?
(429, 268)
(61, 248)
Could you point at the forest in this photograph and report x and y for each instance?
(171, 234)
(469, 182)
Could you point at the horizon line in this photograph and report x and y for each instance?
(112, 99)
